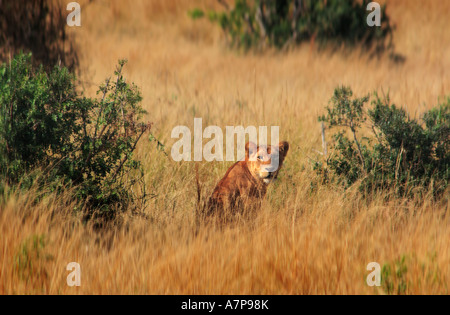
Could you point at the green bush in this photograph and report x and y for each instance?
(73, 140)
(283, 22)
(400, 153)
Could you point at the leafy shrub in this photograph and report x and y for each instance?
(280, 23)
(401, 154)
(72, 139)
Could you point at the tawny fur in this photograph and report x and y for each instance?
(245, 183)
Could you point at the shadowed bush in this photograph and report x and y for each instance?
(36, 26)
(281, 23)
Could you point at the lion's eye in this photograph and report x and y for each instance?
(260, 158)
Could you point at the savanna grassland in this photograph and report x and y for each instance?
(306, 239)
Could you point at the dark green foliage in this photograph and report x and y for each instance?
(279, 23)
(74, 140)
(403, 154)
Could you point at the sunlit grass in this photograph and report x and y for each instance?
(305, 240)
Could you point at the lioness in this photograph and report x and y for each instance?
(245, 183)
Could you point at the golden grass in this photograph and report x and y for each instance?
(310, 245)
(302, 242)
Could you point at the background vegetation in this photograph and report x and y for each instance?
(37, 26)
(282, 23)
(306, 239)
(409, 156)
(73, 140)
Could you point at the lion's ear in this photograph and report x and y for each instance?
(250, 148)
(284, 148)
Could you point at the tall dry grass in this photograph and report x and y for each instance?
(308, 245)
(303, 241)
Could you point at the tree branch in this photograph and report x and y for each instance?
(352, 128)
(126, 156)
